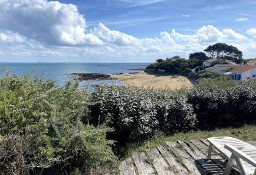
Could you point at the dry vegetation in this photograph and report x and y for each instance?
(142, 79)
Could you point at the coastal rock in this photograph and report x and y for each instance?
(90, 76)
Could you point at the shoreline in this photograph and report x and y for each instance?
(145, 80)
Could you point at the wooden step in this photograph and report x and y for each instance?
(143, 164)
(126, 167)
(159, 162)
(175, 167)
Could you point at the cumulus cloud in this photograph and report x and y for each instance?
(209, 34)
(50, 22)
(121, 46)
(112, 36)
(252, 32)
(241, 19)
(232, 35)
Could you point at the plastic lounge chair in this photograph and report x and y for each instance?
(239, 154)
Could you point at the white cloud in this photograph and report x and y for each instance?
(50, 22)
(121, 46)
(252, 32)
(42, 29)
(112, 36)
(10, 37)
(241, 19)
(209, 34)
(232, 35)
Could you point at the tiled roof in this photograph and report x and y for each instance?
(251, 63)
(243, 69)
(226, 65)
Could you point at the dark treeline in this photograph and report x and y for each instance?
(182, 66)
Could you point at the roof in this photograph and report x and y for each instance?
(226, 65)
(251, 63)
(243, 69)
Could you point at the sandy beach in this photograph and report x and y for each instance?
(142, 79)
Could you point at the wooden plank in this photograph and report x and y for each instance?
(204, 141)
(202, 147)
(207, 167)
(176, 167)
(126, 167)
(158, 162)
(142, 163)
(252, 142)
(183, 158)
(195, 151)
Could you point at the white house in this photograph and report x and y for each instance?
(209, 62)
(242, 73)
(221, 68)
(252, 62)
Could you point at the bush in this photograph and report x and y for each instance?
(173, 112)
(136, 114)
(41, 129)
(243, 101)
(211, 99)
(208, 75)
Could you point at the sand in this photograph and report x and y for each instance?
(142, 79)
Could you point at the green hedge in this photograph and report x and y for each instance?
(211, 102)
(221, 102)
(243, 101)
(136, 113)
(41, 129)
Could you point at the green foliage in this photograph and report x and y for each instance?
(222, 50)
(176, 65)
(159, 60)
(221, 102)
(198, 55)
(41, 128)
(136, 114)
(208, 75)
(244, 101)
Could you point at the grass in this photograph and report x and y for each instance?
(246, 132)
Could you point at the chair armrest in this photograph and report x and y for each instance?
(239, 154)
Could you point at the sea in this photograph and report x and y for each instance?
(60, 72)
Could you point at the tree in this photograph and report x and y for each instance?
(159, 60)
(198, 55)
(222, 50)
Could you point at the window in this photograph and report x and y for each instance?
(237, 76)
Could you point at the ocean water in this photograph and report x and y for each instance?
(60, 72)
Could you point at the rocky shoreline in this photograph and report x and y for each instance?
(95, 76)
(90, 76)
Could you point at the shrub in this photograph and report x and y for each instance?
(173, 112)
(208, 75)
(211, 100)
(41, 129)
(243, 101)
(136, 114)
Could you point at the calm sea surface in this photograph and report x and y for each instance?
(60, 72)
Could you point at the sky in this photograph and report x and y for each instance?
(122, 30)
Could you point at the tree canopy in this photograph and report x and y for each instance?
(176, 65)
(222, 50)
(198, 55)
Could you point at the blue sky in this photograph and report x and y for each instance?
(122, 30)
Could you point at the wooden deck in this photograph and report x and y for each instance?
(181, 158)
